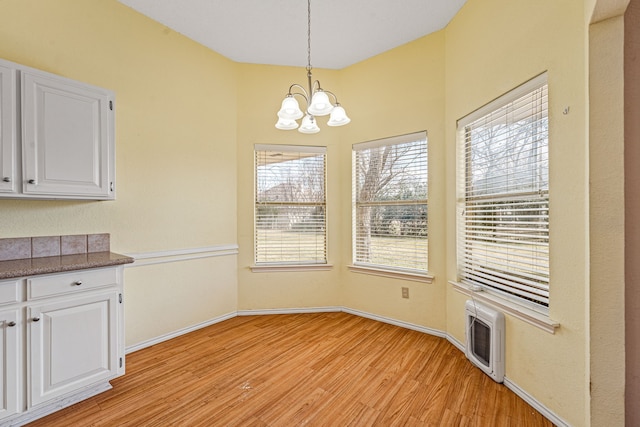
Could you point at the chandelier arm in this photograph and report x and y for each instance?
(296, 85)
(316, 86)
(306, 98)
(334, 96)
(305, 94)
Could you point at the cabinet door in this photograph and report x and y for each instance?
(68, 147)
(9, 359)
(7, 129)
(73, 344)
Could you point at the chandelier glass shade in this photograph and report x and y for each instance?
(317, 100)
(290, 109)
(309, 125)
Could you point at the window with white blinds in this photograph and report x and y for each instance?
(390, 203)
(503, 226)
(290, 205)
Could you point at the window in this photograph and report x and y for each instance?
(503, 227)
(390, 203)
(290, 207)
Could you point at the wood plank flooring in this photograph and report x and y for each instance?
(325, 369)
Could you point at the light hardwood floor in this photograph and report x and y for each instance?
(326, 369)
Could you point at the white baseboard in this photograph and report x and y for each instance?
(335, 309)
(548, 414)
(55, 405)
(395, 322)
(455, 342)
(556, 420)
(269, 311)
(179, 332)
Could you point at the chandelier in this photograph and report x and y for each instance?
(317, 100)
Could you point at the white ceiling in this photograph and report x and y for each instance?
(343, 32)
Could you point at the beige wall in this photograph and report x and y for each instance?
(395, 93)
(493, 46)
(369, 91)
(260, 92)
(427, 85)
(606, 210)
(632, 208)
(187, 120)
(175, 150)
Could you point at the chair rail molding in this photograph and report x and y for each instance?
(162, 257)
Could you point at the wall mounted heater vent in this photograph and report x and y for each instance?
(485, 339)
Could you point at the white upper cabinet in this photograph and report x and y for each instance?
(8, 142)
(65, 144)
(66, 133)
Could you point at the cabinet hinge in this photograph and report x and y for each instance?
(111, 186)
(111, 105)
(121, 362)
(120, 298)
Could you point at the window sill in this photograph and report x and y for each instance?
(394, 274)
(525, 314)
(276, 268)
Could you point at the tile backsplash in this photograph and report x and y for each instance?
(46, 246)
(75, 244)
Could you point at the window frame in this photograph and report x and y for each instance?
(286, 265)
(387, 270)
(527, 309)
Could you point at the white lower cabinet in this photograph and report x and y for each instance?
(72, 345)
(9, 358)
(69, 341)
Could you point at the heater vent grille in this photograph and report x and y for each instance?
(485, 339)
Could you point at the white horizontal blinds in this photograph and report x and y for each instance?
(505, 207)
(290, 210)
(390, 203)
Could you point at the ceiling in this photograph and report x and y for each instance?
(343, 32)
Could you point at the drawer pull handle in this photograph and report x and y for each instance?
(6, 179)
(36, 319)
(11, 324)
(78, 283)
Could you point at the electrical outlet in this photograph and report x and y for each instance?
(405, 293)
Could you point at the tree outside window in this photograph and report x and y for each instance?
(390, 203)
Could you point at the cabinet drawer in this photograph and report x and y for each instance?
(75, 281)
(9, 291)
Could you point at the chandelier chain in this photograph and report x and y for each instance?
(308, 34)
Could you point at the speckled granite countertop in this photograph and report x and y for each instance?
(57, 264)
(29, 256)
